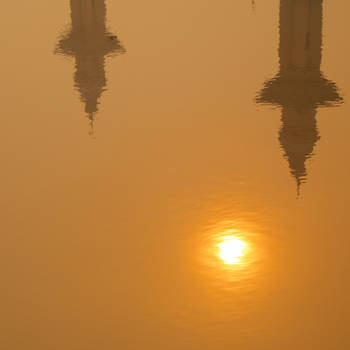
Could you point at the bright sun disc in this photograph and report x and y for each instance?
(231, 250)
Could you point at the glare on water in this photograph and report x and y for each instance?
(232, 249)
(175, 175)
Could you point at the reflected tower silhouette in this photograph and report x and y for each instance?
(89, 42)
(299, 88)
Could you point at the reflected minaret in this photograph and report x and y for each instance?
(300, 87)
(89, 42)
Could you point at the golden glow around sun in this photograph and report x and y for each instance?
(231, 250)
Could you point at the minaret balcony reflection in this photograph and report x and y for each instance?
(89, 42)
(300, 87)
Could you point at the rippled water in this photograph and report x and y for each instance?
(175, 175)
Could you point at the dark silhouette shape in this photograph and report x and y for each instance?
(89, 42)
(300, 87)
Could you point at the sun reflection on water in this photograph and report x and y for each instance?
(231, 250)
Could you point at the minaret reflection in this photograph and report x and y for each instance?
(300, 87)
(89, 42)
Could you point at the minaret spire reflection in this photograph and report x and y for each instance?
(89, 41)
(300, 88)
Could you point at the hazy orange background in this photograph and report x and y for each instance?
(101, 236)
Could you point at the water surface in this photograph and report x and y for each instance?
(175, 175)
